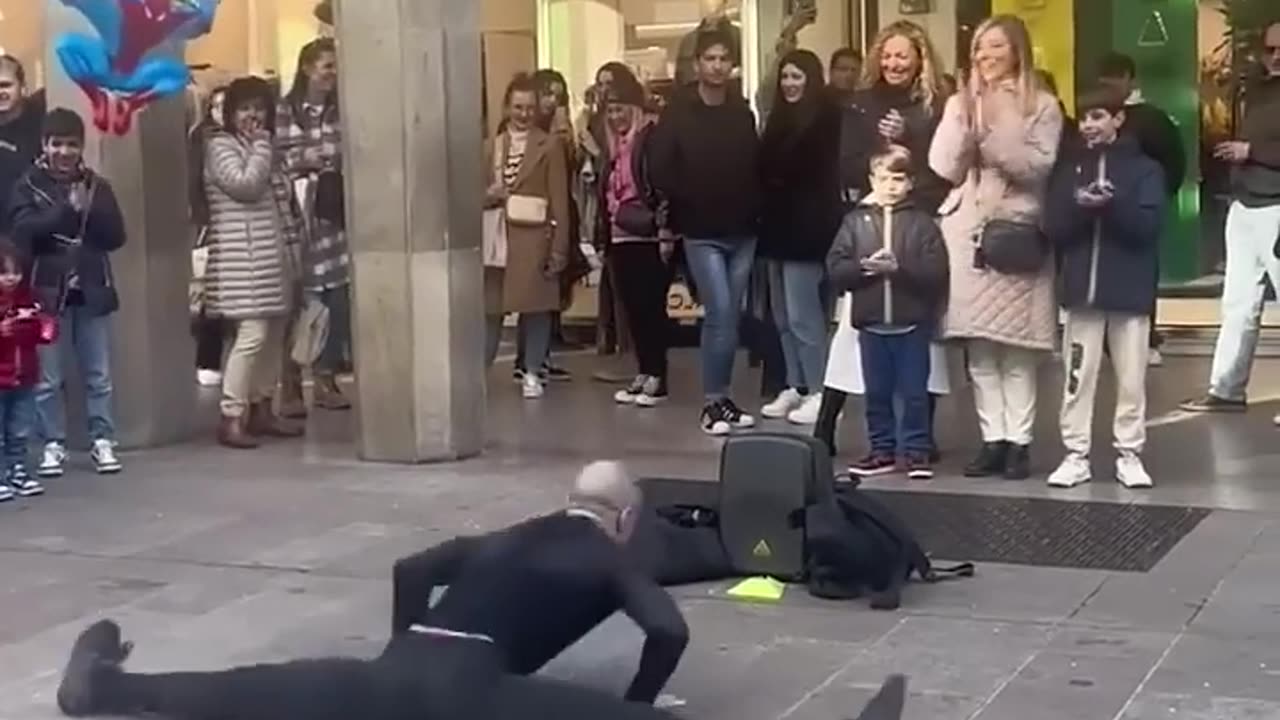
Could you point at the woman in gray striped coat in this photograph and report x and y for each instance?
(251, 220)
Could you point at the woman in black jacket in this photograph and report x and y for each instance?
(800, 214)
(900, 103)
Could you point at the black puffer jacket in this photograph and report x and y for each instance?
(1110, 256)
(915, 294)
(43, 220)
(860, 139)
(800, 185)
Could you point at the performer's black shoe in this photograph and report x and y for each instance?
(98, 648)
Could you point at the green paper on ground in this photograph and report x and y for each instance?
(758, 588)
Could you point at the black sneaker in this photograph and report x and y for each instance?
(555, 373)
(738, 418)
(716, 419)
(1211, 403)
(873, 465)
(22, 483)
(919, 467)
(99, 647)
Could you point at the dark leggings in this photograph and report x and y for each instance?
(829, 416)
(209, 334)
(416, 677)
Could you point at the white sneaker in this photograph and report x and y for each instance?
(208, 378)
(104, 457)
(52, 460)
(653, 394)
(787, 400)
(807, 413)
(1073, 471)
(531, 387)
(1155, 358)
(628, 395)
(1130, 472)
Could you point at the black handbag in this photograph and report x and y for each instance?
(637, 219)
(331, 200)
(1013, 248)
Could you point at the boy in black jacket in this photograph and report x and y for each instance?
(1104, 212)
(67, 221)
(891, 256)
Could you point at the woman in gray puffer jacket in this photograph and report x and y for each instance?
(251, 221)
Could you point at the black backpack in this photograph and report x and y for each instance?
(857, 546)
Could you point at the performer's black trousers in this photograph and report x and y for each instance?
(417, 677)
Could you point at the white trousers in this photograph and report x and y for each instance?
(1004, 390)
(1251, 239)
(1087, 333)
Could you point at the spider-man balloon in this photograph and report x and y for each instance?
(137, 56)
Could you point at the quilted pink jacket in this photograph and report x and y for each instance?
(1005, 175)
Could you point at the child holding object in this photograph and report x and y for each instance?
(890, 256)
(23, 327)
(1105, 208)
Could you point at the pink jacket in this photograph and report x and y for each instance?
(1003, 174)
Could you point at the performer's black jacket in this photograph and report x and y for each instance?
(538, 587)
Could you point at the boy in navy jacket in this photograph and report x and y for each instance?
(1104, 212)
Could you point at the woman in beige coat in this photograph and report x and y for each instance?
(527, 165)
(997, 143)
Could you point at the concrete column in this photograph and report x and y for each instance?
(153, 354)
(410, 88)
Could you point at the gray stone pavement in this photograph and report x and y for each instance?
(210, 558)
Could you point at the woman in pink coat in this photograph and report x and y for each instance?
(997, 143)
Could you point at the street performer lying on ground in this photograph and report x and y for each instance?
(539, 587)
(516, 599)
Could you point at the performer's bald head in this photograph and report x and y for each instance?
(607, 489)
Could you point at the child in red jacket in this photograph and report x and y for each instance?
(23, 326)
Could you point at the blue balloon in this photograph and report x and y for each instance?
(136, 56)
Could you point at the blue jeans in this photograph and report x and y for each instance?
(795, 296)
(721, 269)
(536, 330)
(17, 408)
(897, 364)
(89, 336)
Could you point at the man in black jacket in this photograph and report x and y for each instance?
(1104, 212)
(705, 162)
(1157, 136)
(66, 219)
(515, 599)
(1253, 227)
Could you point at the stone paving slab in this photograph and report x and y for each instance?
(210, 558)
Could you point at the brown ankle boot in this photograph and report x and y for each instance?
(263, 422)
(328, 395)
(231, 434)
(292, 403)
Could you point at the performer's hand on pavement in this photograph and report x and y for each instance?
(1232, 151)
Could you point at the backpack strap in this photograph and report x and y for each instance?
(939, 573)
